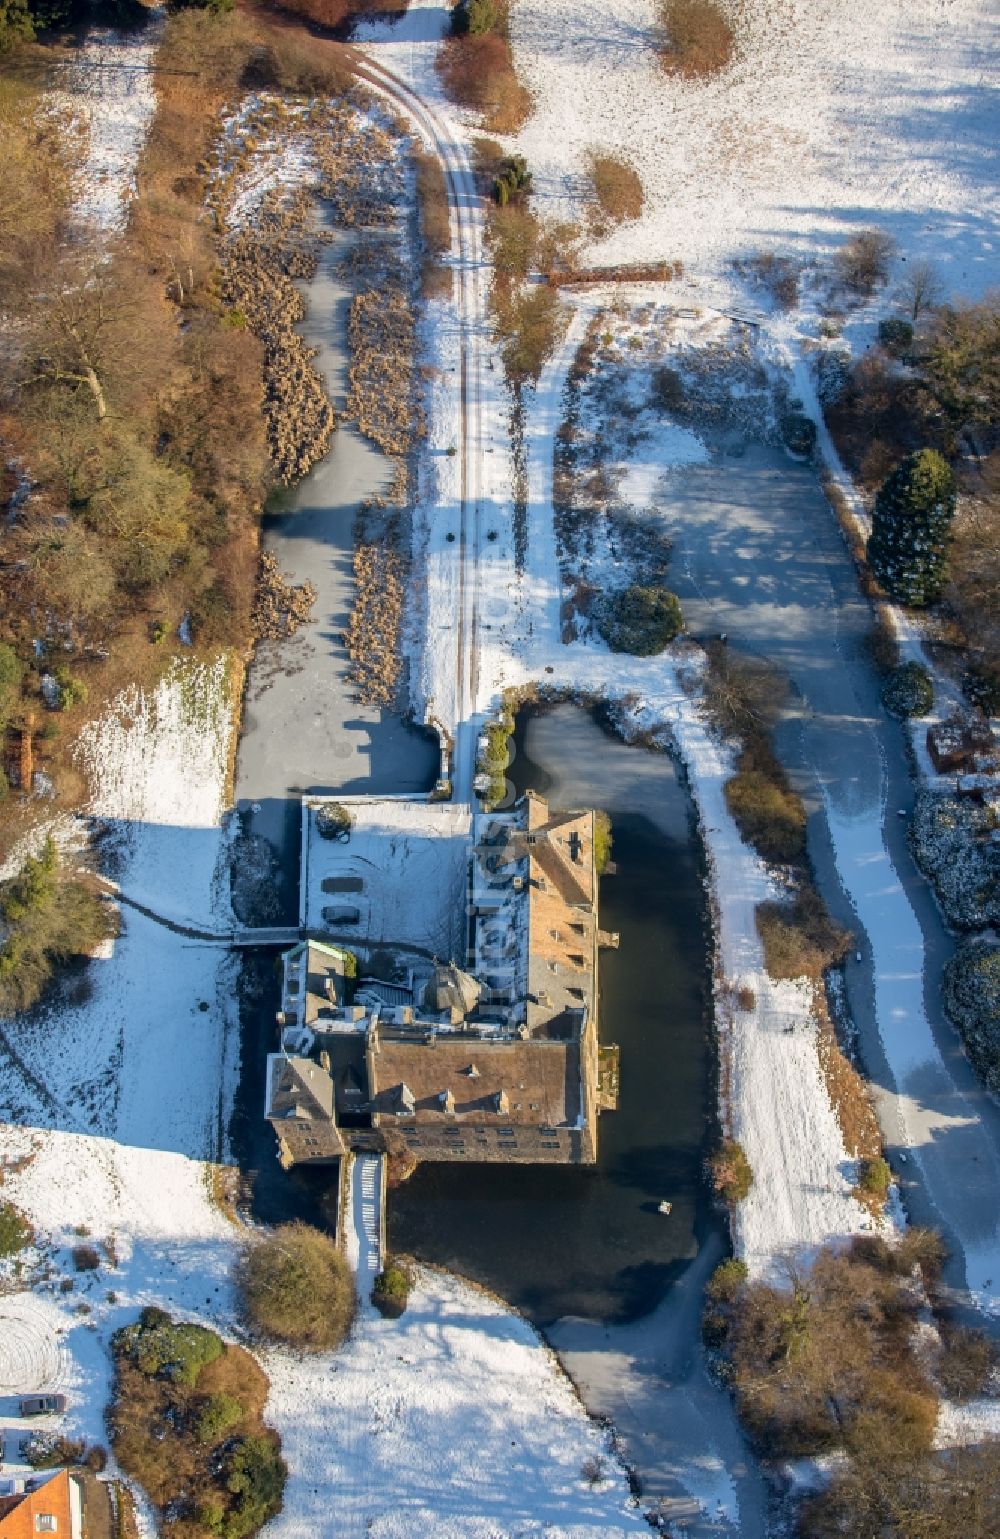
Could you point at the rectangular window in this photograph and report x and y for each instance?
(45, 1522)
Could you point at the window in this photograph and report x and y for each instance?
(45, 1522)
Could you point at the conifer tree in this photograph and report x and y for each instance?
(913, 510)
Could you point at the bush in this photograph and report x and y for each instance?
(726, 1281)
(602, 841)
(334, 821)
(297, 1288)
(15, 1231)
(49, 918)
(874, 1176)
(798, 434)
(923, 1248)
(85, 1258)
(895, 335)
(67, 690)
(640, 620)
(778, 275)
(218, 1414)
(730, 1170)
(913, 510)
(477, 17)
(391, 1292)
(478, 73)
(699, 37)
(594, 1469)
(11, 674)
(864, 260)
(512, 181)
(770, 816)
(255, 1475)
(972, 1000)
(163, 1348)
(966, 1364)
(617, 188)
(828, 1363)
(908, 691)
(800, 939)
(950, 837)
(201, 1451)
(982, 687)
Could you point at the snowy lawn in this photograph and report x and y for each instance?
(109, 89)
(832, 117)
(450, 1423)
(456, 1421)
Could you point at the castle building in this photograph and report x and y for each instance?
(490, 1055)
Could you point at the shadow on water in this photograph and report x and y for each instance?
(303, 728)
(276, 1196)
(590, 1241)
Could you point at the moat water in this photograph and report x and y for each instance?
(583, 1241)
(557, 1241)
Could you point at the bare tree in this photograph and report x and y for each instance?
(921, 289)
(72, 344)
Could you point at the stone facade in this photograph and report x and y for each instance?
(493, 1061)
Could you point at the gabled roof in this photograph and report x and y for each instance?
(455, 1079)
(449, 988)
(299, 1088)
(53, 1504)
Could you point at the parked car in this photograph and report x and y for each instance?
(341, 914)
(43, 1405)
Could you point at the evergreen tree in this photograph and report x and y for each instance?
(913, 510)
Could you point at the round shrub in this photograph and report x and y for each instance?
(15, 1231)
(391, 1292)
(982, 688)
(171, 1350)
(895, 334)
(874, 1176)
(726, 1281)
(297, 1288)
(732, 1177)
(798, 434)
(333, 821)
(972, 999)
(640, 620)
(908, 691)
(216, 1416)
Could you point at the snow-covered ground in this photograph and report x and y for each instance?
(453, 1422)
(404, 868)
(121, 1087)
(109, 90)
(832, 117)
